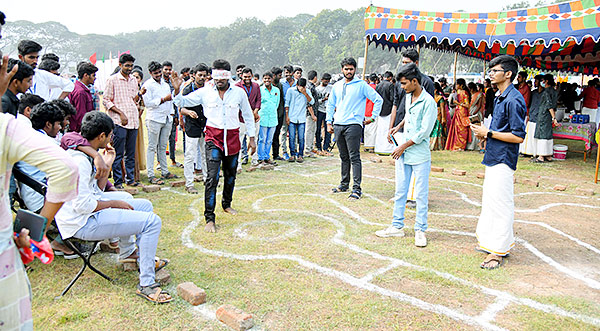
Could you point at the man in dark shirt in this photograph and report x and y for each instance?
(81, 97)
(386, 90)
(506, 132)
(277, 72)
(19, 83)
(195, 121)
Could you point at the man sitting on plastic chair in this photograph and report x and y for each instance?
(97, 215)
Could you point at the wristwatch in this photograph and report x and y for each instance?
(489, 134)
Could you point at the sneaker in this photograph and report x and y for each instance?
(420, 239)
(286, 156)
(245, 161)
(410, 204)
(390, 231)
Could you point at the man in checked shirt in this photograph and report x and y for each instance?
(121, 96)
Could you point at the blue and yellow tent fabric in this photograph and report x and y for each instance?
(562, 37)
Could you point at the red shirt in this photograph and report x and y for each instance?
(526, 93)
(370, 104)
(591, 97)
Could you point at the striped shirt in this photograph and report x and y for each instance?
(119, 92)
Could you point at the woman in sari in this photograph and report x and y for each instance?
(438, 138)
(140, 151)
(475, 113)
(459, 131)
(545, 120)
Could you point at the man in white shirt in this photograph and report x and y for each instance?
(222, 105)
(159, 105)
(98, 215)
(43, 81)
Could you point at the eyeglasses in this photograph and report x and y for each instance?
(494, 71)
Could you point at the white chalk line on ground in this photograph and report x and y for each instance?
(362, 283)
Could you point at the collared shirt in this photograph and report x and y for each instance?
(10, 103)
(44, 82)
(526, 93)
(347, 102)
(508, 116)
(119, 92)
(194, 127)
(74, 213)
(400, 96)
(591, 97)
(323, 92)
(386, 91)
(253, 93)
(81, 99)
(420, 120)
(155, 91)
(297, 102)
(222, 115)
(536, 98)
(268, 106)
(285, 86)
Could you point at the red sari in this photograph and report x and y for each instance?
(459, 131)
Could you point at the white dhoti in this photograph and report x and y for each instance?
(370, 133)
(495, 227)
(529, 145)
(382, 145)
(544, 147)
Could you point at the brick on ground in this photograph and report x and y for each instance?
(151, 188)
(191, 293)
(163, 277)
(235, 318)
(437, 169)
(178, 183)
(584, 191)
(131, 190)
(530, 182)
(459, 172)
(481, 175)
(559, 187)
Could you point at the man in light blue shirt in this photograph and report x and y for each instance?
(345, 118)
(412, 154)
(296, 100)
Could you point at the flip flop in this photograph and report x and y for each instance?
(491, 258)
(153, 294)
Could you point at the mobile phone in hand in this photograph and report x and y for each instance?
(36, 224)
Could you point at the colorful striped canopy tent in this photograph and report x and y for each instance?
(561, 37)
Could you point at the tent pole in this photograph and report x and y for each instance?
(455, 62)
(484, 69)
(366, 53)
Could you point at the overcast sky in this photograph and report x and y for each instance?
(116, 16)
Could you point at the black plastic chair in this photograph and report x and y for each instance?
(42, 188)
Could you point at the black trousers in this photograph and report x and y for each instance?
(124, 144)
(172, 142)
(215, 157)
(347, 138)
(276, 142)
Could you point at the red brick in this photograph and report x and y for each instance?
(129, 266)
(191, 293)
(584, 191)
(459, 172)
(163, 277)
(178, 183)
(559, 187)
(530, 182)
(235, 318)
(131, 190)
(437, 169)
(481, 175)
(151, 188)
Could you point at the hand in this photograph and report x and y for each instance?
(120, 204)
(108, 156)
(124, 119)
(22, 241)
(287, 119)
(367, 121)
(175, 120)
(329, 128)
(397, 152)
(102, 169)
(251, 146)
(256, 116)
(555, 121)
(480, 131)
(302, 89)
(176, 80)
(6, 76)
(391, 133)
(189, 113)
(314, 118)
(169, 97)
(143, 90)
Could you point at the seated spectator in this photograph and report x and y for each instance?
(19, 83)
(98, 215)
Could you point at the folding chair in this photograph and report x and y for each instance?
(42, 188)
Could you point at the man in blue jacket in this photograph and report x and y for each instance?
(345, 118)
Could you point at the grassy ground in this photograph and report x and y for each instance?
(297, 257)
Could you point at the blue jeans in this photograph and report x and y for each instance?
(141, 222)
(124, 144)
(403, 172)
(265, 140)
(296, 129)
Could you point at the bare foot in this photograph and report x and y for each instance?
(210, 227)
(231, 211)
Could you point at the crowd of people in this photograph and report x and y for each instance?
(57, 131)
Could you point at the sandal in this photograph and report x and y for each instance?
(156, 181)
(354, 196)
(160, 263)
(339, 190)
(191, 190)
(134, 184)
(154, 293)
(492, 258)
(170, 176)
